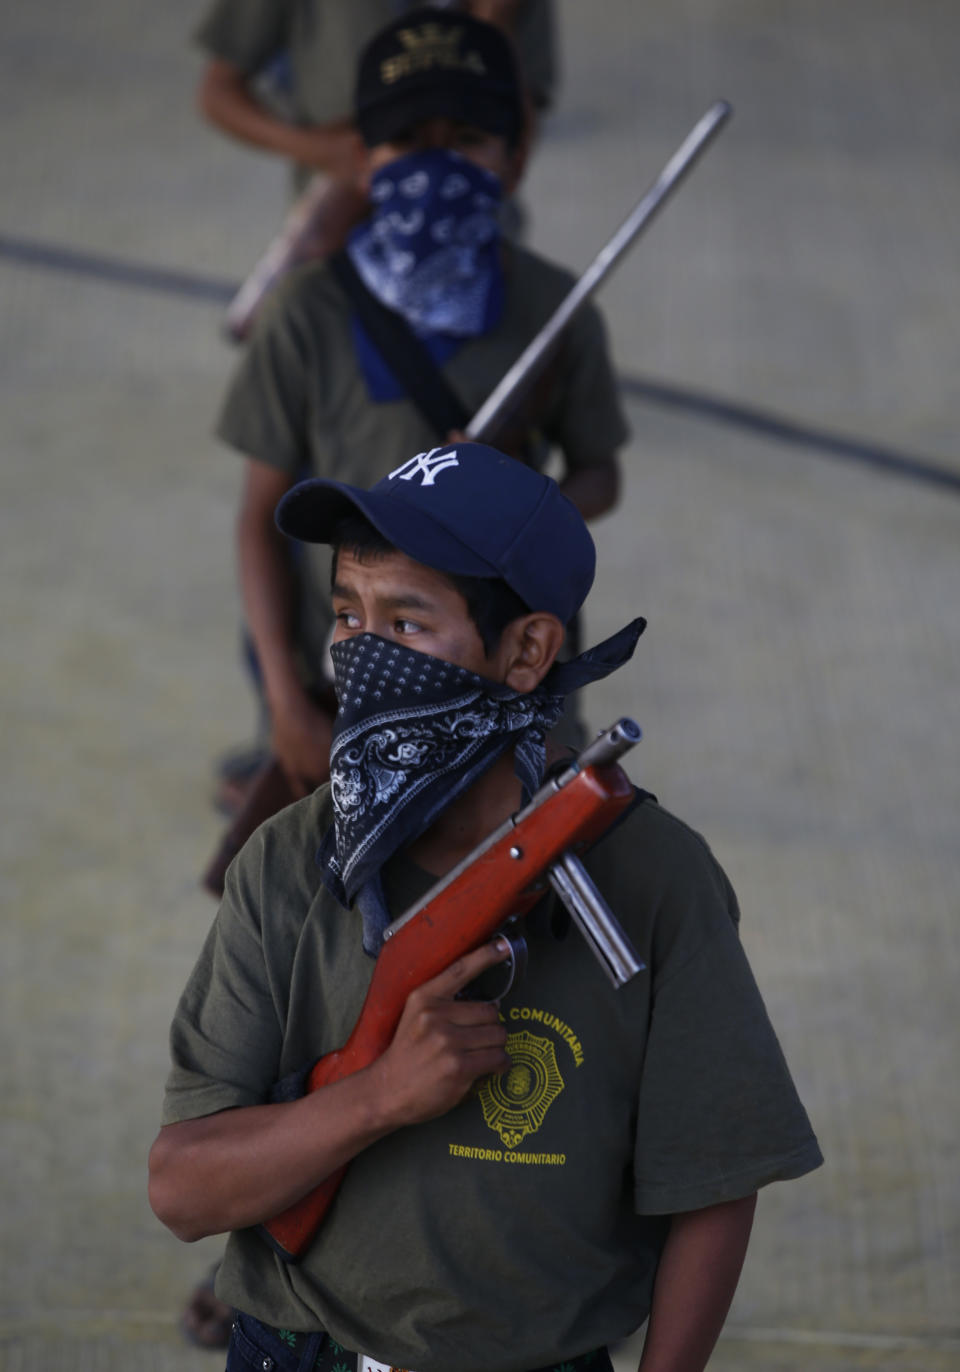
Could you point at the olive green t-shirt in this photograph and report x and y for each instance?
(323, 40)
(298, 400)
(525, 1226)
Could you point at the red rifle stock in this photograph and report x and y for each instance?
(464, 910)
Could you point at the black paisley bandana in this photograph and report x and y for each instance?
(412, 732)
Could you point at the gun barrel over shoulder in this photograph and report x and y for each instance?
(609, 745)
(570, 880)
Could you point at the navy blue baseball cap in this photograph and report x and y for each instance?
(465, 509)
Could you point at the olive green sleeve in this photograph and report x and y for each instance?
(246, 33)
(586, 418)
(535, 37)
(721, 1114)
(226, 1036)
(264, 414)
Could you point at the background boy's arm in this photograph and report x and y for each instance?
(695, 1283)
(300, 731)
(593, 489)
(242, 1167)
(226, 99)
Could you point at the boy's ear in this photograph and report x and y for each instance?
(529, 648)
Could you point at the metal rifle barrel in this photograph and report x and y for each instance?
(606, 748)
(534, 357)
(596, 921)
(609, 745)
(602, 931)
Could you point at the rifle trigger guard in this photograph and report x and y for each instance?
(511, 969)
(515, 965)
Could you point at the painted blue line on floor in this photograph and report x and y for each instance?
(775, 426)
(118, 272)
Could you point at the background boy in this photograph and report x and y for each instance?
(438, 97)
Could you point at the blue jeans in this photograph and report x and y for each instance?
(254, 1347)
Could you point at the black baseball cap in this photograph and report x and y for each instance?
(465, 509)
(434, 63)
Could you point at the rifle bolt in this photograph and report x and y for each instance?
(516, 852)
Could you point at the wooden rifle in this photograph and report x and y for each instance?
(502, 879)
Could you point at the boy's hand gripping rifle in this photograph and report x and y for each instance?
(502, 878)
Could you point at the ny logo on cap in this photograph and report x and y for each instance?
(427, 466)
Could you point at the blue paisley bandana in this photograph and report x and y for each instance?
(431, 249)
(412, 733)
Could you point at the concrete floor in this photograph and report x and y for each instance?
(798, 684)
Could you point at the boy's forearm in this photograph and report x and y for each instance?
(267, 590)
(241, 1167)
(245, 1166)
(226, 99)
(594, 489)
(695, 1284)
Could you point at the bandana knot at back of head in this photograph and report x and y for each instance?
(412, 733)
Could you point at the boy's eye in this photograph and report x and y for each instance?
(347, 618)
(406, 626)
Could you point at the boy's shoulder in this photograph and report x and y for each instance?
(281, 854)
(301, 822)
(528, 259)
(653, 825)
(655, 860)
(530, 271)
(534, 287)
(306, 294)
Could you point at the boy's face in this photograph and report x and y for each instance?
(483, 149)
(401, 600)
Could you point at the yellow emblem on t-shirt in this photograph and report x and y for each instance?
(514, 1104)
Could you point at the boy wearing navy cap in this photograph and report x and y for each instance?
(528, 1181)
(439, 106)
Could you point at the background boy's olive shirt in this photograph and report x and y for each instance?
(299, 402)
(298, 398)
(323, 40)
(525, 1225)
